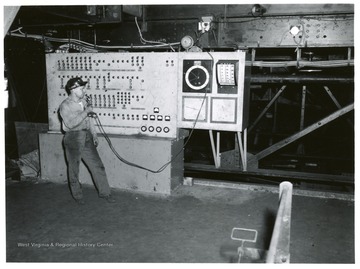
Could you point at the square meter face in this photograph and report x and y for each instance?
(197, 76)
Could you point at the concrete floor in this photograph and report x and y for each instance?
(44, 224)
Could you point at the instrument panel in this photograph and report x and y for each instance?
(154, 94)
(132, 93)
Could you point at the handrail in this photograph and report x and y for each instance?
(279, 250)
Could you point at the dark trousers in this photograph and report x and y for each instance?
(79, 146)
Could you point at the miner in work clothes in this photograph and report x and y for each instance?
(80, 141)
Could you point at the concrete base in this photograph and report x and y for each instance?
(147, 152)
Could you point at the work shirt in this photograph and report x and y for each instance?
(74, 117)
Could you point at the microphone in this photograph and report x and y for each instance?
(88, 100)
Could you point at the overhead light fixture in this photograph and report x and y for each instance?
(295, 29)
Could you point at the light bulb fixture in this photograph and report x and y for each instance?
(295, 29)
(205, 24)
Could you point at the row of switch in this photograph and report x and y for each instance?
(136, 117)
(158, 117)
(123, 116)
(123, 100)
(74, 68)
(99, 77)
(85, 59)
(158, 129)
(76, 59)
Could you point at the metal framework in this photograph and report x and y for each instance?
(253, 163)
(250, 164)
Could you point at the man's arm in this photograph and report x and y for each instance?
(92, 128)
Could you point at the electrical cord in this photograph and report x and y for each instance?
(163, 167)
(89, 46)
(144, 41)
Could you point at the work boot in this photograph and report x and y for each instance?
(109, 199)
(80, 201)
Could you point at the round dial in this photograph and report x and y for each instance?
(197, 77)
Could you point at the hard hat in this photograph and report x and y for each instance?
(74, 83)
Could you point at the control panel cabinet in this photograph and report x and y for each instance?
(212, 91)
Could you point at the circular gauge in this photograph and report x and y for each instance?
(197, 77)
(187, 42)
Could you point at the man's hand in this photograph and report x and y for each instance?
(90, 112)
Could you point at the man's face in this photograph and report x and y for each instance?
(79, 92)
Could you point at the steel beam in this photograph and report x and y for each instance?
(303, 100)
(267, 108)
(300, 78)
(254, 161)
(315, 31)
(336, 102)
(166, 12)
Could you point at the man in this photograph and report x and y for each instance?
(80, 141)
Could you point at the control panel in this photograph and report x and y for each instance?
(132, 93)
(212, 91)
(154, 94)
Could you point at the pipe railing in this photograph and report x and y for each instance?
(279, 250)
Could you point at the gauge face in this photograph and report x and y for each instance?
(197, 77)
